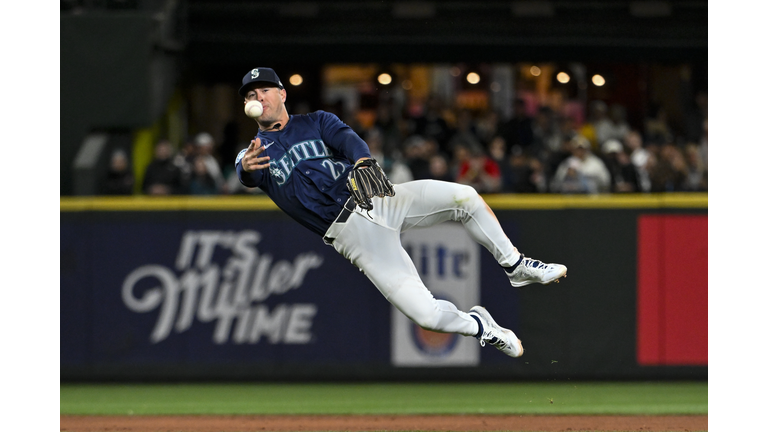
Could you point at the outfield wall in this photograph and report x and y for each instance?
(231, 288)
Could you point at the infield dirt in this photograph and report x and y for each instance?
(244, 423)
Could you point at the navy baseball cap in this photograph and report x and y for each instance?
(260, 74)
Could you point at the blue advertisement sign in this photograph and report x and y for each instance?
(148, 292)
(206, 290)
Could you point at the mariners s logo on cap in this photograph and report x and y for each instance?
(260, 74)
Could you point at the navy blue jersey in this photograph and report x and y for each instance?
(309, 162)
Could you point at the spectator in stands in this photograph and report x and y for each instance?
(439, 168)
(520, 173)
(568, 127)
(518, 130)
(667, 169)
(570, 179)
(696, 181)
(120, 179)
(417, 154)
(202, 182)
(624, 176)
(638, 155)
(497, 151)
(538, 176)
(597, 119)
(487, 127)
(185, 158)
(465, 133)
(583, 172)
(547, 138)
(163, 176)
(480, 172)
(459, 157)
(614, 126)
(206, 152)
(557, 157)
(656, 127)
(432, 123)
(188, 153)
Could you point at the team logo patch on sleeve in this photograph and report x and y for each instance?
(240, 156)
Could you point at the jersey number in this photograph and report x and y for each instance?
(333, 166)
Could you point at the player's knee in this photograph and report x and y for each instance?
(427, 321)
(467, 198)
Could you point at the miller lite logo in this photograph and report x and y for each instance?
(254, 74)
(229, 287)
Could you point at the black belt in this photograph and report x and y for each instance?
(348, 209)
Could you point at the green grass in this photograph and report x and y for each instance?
(650, 398)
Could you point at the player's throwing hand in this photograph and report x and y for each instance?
(251, 160)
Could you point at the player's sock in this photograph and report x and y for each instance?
(509, 270)
(479, 327)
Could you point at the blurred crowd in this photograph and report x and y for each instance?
(542, 153)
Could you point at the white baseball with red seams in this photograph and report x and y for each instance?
(253, 109)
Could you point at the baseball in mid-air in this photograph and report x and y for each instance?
(253, 109)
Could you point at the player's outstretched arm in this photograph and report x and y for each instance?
(252, 159)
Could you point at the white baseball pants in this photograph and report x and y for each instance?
(371, 241)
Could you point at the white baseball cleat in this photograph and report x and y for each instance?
(530, 271)
(503, 339)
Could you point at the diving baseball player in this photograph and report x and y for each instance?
(319, 172)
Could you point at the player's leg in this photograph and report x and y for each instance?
(377, 251)
(435, 202)
(431, 202)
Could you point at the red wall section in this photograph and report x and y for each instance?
(672, 290)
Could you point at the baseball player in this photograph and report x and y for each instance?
(320, 172)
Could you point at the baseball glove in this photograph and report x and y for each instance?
(367, 180)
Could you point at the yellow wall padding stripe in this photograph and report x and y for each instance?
(173, 203)
(497, 202)
(614, 201)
